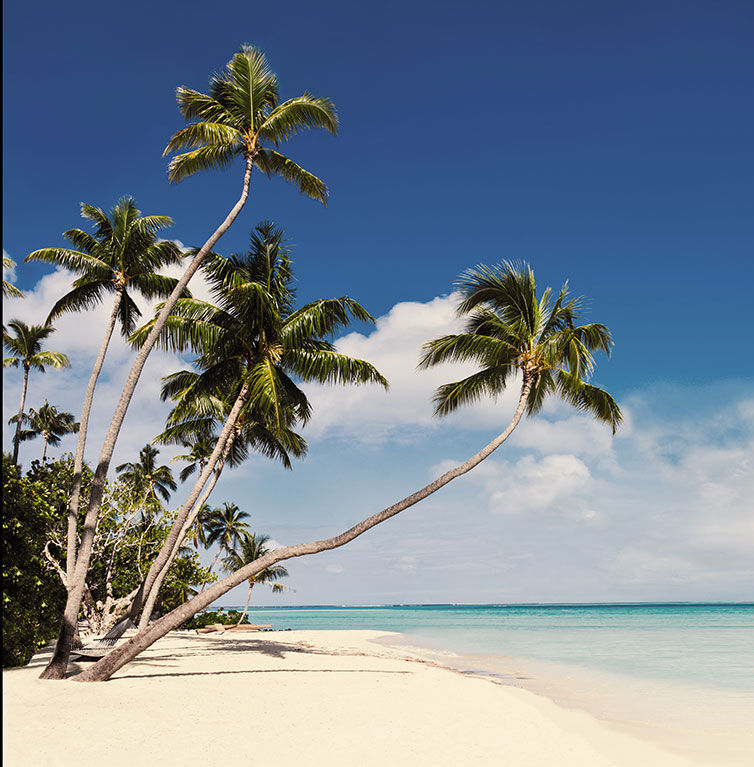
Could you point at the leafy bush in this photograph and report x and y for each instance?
(33, 596)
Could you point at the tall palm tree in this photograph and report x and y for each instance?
(241, 116)
(147, 479)
(9, 289)
(121, 258)
(250, 549)
(517, 338)
(251, 342)
(49, 423)
(25, 347)
(226, 525)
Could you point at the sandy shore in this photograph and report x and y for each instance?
(298, 698)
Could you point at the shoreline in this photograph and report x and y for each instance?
(301, 696)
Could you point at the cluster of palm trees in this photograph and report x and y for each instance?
(253, 347)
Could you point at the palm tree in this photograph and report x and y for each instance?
(26, 350)
(200, 449)
(241, 116)
(225, 526)
(48, 423)
(250, 549)
(121, 259)
(195, 415)
(9, 289)
(147, 479)
(517, 338)
(250, 343)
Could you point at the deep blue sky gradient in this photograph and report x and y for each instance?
(608, 143)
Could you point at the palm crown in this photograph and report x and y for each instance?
(242, 116)
(25, 347)
(147, 478)
(510, 331)
(123, 253)
(49, 423)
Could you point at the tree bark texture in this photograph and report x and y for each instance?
(103, 669)
(78, 461)
(17, 437)
(58, 664)
(167, 546)
(154, 591)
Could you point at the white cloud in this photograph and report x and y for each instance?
(335, 569)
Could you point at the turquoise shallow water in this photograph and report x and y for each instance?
(711, 645)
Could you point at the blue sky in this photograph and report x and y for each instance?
(606, 143)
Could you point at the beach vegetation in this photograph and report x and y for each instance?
(49, 423)
(24, 345)
(242, 116)
(518, 338)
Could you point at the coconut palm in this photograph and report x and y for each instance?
(251, 342)
(241, 116)
(9, 289)
(121, 258)
(251, 548)
(200, 449)
(225, 526)
(48, 423)
(25, 347)
(147, 479)
(517, 338)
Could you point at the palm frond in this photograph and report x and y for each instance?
(272, 163)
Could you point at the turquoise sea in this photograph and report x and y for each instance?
(680, 674)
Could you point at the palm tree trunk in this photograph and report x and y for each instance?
(17, 438)
(44, 449)
(175, 530)
(152, 598)
(78, 461)
(107, 666)
(246, 606)
(58, 664)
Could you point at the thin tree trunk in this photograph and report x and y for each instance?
(175, 530)
(246, 606)
(78, 461)
(44, 449)
(58, 664)
(103, 669)
(152, 598)
(17, 438)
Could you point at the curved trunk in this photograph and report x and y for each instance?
(246, 606)
(17, 437)
(78, 461)
(175, 530)
(58, 664)
(107, 666)
(152, 598)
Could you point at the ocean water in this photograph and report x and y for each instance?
(678, 674)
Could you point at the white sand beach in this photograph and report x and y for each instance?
(285, 698)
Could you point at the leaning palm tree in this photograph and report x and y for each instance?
(48, 423)
(25, 347)
(195, 415)
(9, 289)
(250, 549)
(251, 343)
(241, 117)
(516, 338)
(121, 258)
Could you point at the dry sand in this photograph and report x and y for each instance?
(298, 698)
